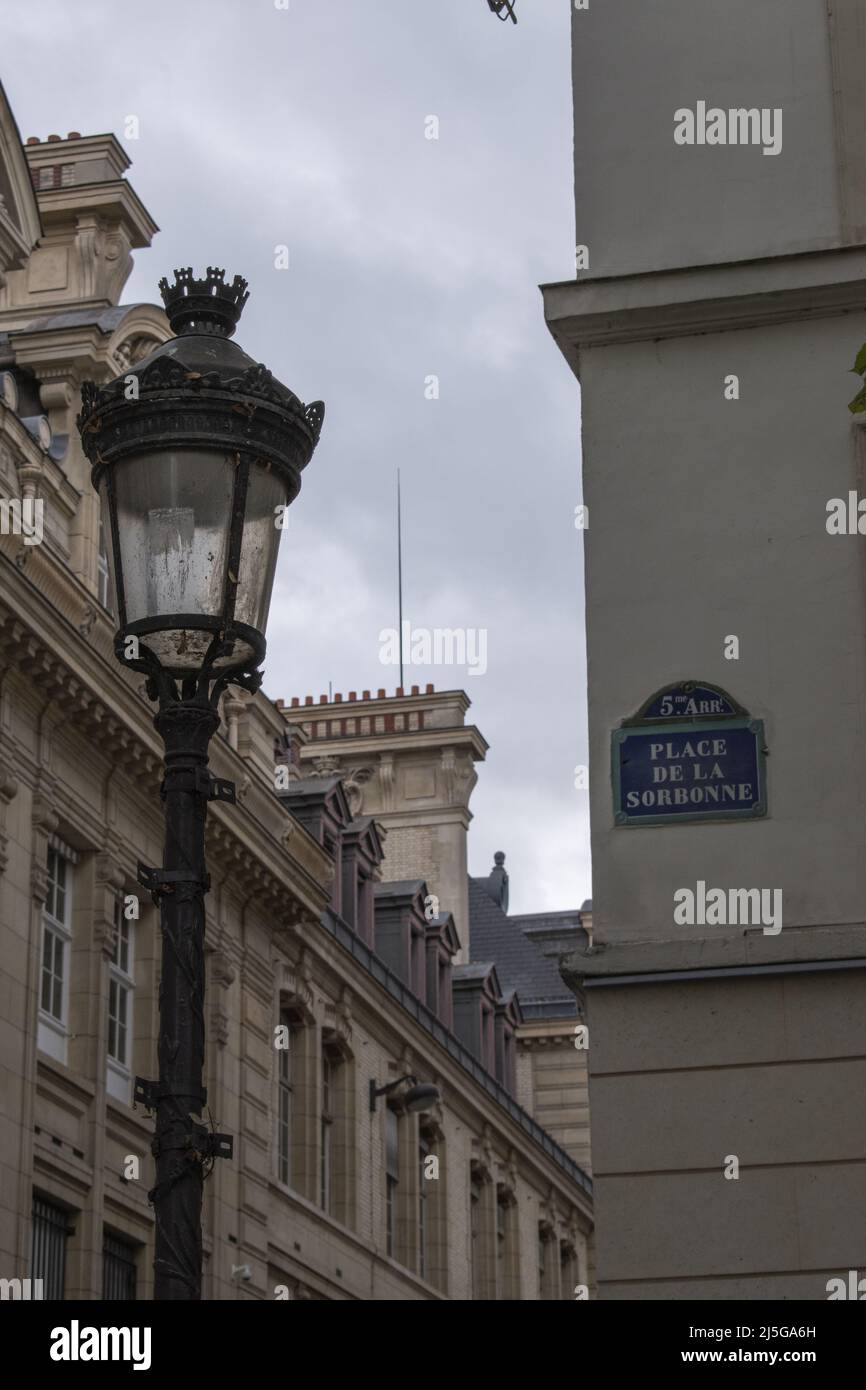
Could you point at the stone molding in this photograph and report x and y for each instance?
(704, 299)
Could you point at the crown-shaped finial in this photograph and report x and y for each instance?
(204, 306)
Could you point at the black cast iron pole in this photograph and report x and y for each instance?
(182, 1144)
(186, 730)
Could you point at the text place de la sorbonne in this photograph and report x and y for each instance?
(432, 675)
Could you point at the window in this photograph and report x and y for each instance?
(103, 581)
(475, 1230)
(330, 1065)
(51, 1230)
(121, 986)
(56, 946)
(548, 1263)
(392, 1178)
(432, 1208)
(507, 1243)
(423, 1224)
(567, 1270)
(286, 1090)
(118, 1269)
(501, 1240)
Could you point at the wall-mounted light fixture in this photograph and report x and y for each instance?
(420, 1095)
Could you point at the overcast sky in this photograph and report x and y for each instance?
(409, 258)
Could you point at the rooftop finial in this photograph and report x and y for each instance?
(497, 881)
(207, 306)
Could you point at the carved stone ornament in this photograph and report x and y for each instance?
(219, 1025)
(295, 988)
(134, 349)
(325, 766)
(221, 969)
(43, 814)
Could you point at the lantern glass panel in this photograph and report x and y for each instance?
(261, 541)
(173, 516)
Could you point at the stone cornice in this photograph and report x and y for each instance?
(425, 815)
(75, 347)
(800, 948)
(355, 746)
(114, 197)
(704, 299)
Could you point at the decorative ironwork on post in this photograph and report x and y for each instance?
(196, 454)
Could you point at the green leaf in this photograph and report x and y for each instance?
(858, 405)
(860, 364)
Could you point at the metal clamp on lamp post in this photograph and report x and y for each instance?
(196, 453)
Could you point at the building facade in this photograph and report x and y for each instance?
(409, 759)
(326, 979)
(718, 308)
(406, 759)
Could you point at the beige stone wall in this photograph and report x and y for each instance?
(767, 1069)
(559, 1092)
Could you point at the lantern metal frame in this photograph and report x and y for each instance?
(175, 404)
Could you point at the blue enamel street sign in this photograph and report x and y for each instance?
(690, 701)
(686, 767)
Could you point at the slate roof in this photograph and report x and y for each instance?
(519, 964)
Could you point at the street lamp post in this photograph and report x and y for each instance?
(196, 454)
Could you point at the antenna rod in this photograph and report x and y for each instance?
(400, 575)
